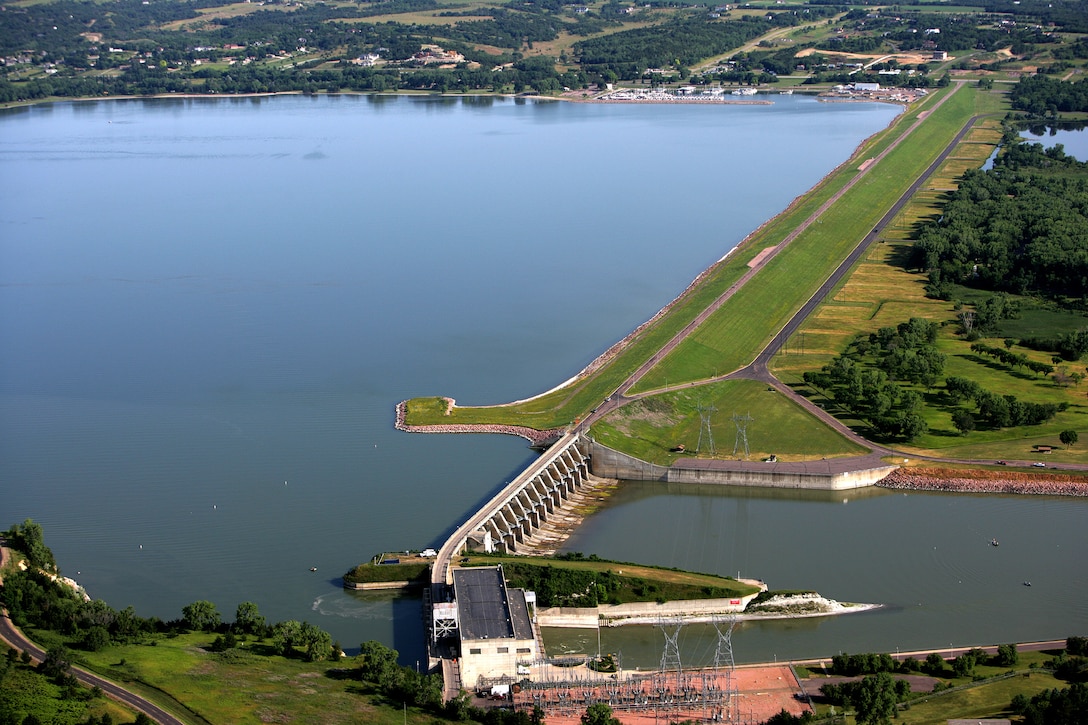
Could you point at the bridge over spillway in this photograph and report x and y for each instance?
(521, 506)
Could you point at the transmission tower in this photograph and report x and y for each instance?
(741, 421)
(704, 429)
(670, 657)
(723, 652)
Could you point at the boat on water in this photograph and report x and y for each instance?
(993, 542)
(744, 91)
(786, 93)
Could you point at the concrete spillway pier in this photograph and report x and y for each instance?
(520, 507)
(508, 520)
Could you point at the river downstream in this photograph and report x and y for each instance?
(210, 308)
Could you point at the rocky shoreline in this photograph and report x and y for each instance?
(699, 611)
(792, 606)
(984, 481)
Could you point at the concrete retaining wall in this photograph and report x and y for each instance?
(610, 463)
(611, 615)
(378, 586)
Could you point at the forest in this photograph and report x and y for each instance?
(683, 41)
(1040, 95)
(1021, 227)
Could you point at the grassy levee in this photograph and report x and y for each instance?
(562, 406)
(735, 334)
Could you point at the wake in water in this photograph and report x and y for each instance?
(331, 605)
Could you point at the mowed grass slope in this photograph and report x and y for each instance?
(561, 407)
(737, 332)
(651, 427)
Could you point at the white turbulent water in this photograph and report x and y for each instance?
(201, 300)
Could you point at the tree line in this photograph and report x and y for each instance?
(1013, 359)
(34, 597)
(528, 75)
(1040, 94)
(995, 410)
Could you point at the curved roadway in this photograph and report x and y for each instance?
(11, 634)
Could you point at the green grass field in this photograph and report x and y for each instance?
(650, 427)
(967, 699)
(245, 685)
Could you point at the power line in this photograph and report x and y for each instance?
(705, 429)
(741, 421)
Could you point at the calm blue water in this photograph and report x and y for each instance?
(1074, 141)
(208, 309)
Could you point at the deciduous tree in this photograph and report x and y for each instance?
(599, 713)
(963, 420)
(1007, 656)
(247, 619)
(874, 699)
(200, 615)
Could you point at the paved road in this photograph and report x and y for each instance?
(758, 369)
(950, 652)
(622, 395)
(14, 637)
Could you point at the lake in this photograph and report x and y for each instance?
(209, 308)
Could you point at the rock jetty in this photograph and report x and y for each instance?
(984, 481)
